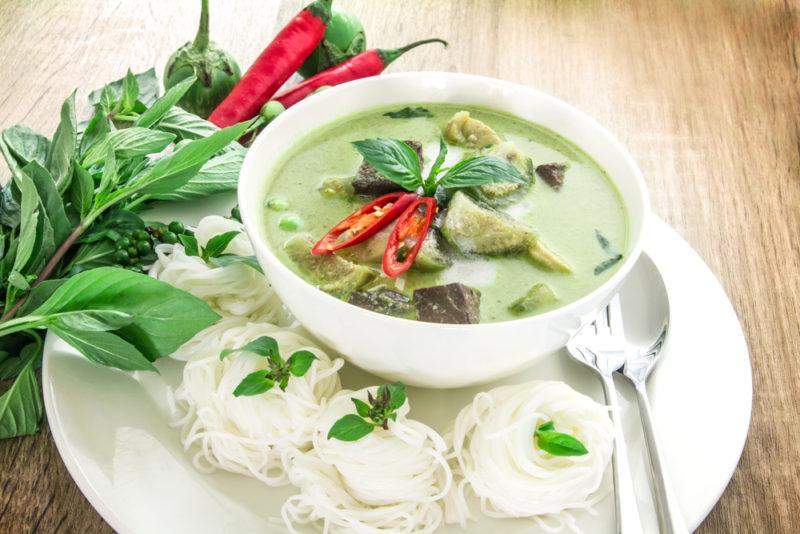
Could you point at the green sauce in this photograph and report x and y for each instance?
(567, 221)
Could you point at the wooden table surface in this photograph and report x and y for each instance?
(706, 95)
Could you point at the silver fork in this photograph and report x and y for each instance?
(601, 346)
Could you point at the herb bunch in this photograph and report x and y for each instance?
(67, 219)
(279, 370)
(376, 413)
(399, 163)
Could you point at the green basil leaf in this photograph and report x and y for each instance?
(394, 160)
(29, 354)
(430, 182)
(224, 260)
(300, 362)
(39, 294)
(284, 382)
(350, 428)
(21, 406)
(409, 113)
(164, 317)
(91, 320)
(185, 125)
(96, 130)
(81, 191)
(26, 145)
(51, 200)
(11, 161)
(255, 383)
(148, 89)
(190, 246)
(218, 175)
(397, 395)
(559, 444)
(165, 103)
(62, 151)
(607, 264)
(546, 426)
(173, 171)
(29, 222)
(104, 348)
(481, 170)
(109, 179)
(90, 256)
(9, 207)
(263, 346)
(361, 407)
(112, 226)
(128, 143)
(45, 243)
(130, 92)
(605, 244)
(217, 244)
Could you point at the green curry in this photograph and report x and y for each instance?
(494, 252)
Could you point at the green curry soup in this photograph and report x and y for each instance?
(581, 224)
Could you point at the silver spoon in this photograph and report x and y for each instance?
(639, 362)
(601, 346)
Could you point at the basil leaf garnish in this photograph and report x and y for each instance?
(481, 170)
(351, 427)
(394, 159)
(556, 443)
(409, 113)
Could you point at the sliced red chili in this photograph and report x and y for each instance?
(407, 236)
(364, 223)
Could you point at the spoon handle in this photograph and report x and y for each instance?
(628, 520)
(670, 519)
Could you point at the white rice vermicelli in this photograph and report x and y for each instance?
(389, 481)
(250, 435)
(498, 460)
(236, 289)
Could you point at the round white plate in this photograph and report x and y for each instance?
(111, 427)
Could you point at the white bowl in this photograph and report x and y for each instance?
(419, 353)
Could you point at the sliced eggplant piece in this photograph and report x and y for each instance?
(337, 187)
(537, 297)
(370, 182)
(546, 258)
(431, 256)
(448, 304)
(331, 273)
(463, 130)
(381, 299)
(473, 228)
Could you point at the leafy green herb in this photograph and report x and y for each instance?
(61, 153)
(218, 175)
(128, 143)
(224, 260)
(161, 106)
(147, 83)
(607, 264)
(278, 370)
(214, 251)
(605, 244)
(190, 245)
(26, 145)
(399, 163)
(21, 405)
(556, 443)
(409, 113)
(217, 244)
(377, 413)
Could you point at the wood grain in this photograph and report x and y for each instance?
(705, 94)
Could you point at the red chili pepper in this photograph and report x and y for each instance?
(365, 64)
(408, 235)
(275, 65)
(366, 222)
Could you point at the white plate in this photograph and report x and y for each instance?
(111, 429)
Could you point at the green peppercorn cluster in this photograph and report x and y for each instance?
(136, 248)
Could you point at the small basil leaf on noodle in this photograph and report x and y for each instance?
(190, 246)
(397, 395)
(217, 244)
(284, 382)
(350, 428)
(255, 383)
(300, 362)
(361, 407)
(556, 443)
(263, 346)
(228, 259)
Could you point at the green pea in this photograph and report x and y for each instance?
(290, 223)
(176, 227)
(144, 247)
(277, 204)
(121, 257)
(169, 238)
(123, 243)
(140, 234)
(271, 109)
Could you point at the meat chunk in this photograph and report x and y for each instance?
(369, 181)
(449, 304)
(553, 174)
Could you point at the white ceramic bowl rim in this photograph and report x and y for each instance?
(247, 186)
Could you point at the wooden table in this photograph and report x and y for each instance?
(705, 94)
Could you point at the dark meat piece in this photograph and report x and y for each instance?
(383, 300)
(553, 174)
(449, 303)
(369, 181)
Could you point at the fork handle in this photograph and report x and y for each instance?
(670, 519)
(628, 520)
